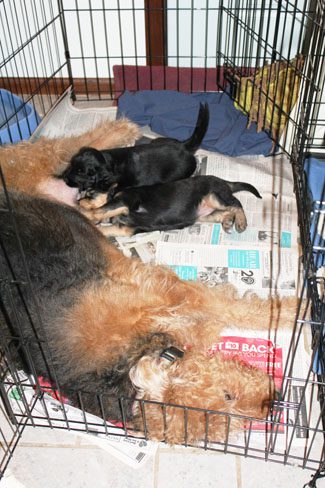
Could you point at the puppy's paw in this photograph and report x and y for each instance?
(240, 221)
(95, 201)
(86, 203)
(120, 220)
(228, 222)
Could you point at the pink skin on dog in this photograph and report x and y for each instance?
(56, 189)
(203, 210)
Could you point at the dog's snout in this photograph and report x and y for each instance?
(273, 401)
(65, 177)
(277, 400)
(70, 181)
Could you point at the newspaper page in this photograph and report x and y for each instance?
(247, 267)
(264, 258)
(111, 437)
(142, 246)
(66, 119)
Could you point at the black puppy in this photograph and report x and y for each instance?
(173, 206)
(162, 160)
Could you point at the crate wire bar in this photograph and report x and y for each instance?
(100, 48)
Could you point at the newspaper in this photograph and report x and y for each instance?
(49, 411)
(65, 119)
(142, 246)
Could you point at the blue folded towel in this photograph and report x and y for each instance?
(173, 114)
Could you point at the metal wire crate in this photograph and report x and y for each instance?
(101, 48)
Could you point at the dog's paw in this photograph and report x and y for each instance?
(94, 201)
(240, 221)
(120, 220)
(227, 223)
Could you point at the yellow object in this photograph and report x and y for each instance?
(269, 95)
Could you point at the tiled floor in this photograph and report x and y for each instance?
(51, 458)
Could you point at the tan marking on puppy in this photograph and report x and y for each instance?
(240, 220)
(100, 214)
(227, 218)
(211, 201)
(116, 230)
(92, 203)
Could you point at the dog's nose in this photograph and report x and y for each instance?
(277, 400)
(65, 177)
(71, 182)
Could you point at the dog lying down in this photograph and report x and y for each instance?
(115, 327)
(34, 167)
(160, 161)
(170, 206)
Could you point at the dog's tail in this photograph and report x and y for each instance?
(194, 142)
(236, 186)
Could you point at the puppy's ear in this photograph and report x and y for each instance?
(108, 161)
(90, 155)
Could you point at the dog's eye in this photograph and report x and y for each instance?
(228, 396)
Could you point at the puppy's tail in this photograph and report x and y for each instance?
(236, 186)
(194, 142)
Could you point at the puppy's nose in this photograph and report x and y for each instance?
(65, 176)
(69, 182)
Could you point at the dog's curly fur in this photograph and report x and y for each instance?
(211, 383)
(34, 167)
(104, 319)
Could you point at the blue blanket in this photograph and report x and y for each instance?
(173, 114)
(315, 172)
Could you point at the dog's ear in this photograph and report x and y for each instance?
(150, 377)
(89, 157)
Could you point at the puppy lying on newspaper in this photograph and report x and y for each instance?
(170, 206)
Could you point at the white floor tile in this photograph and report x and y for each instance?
(51, 458)
(73, 467)
(43, 437)
(189, 468)
(257, 473)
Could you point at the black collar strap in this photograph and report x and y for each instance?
(172, 353)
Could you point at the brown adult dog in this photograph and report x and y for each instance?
(33, 167)
(110, 324)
